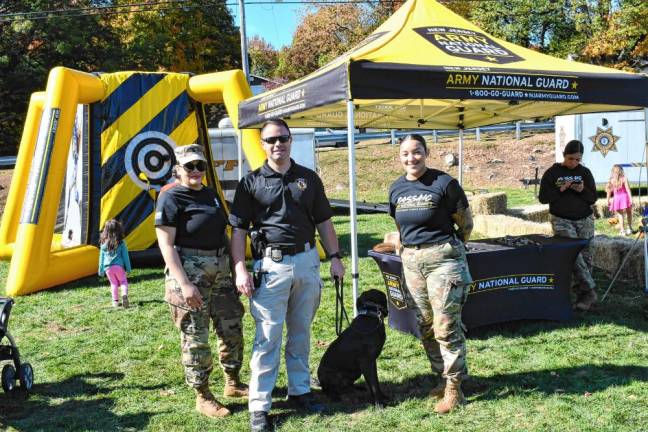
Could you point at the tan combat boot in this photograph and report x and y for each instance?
(586, 300)
(452, 398)
(439, 390)
(207, 404)
(233, 386)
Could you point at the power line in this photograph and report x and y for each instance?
(174, 5)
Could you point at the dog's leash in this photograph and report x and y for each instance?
(340, 310)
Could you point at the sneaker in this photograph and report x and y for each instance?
(125, 301)
(628, 231)
(306, 402)
(259, 421)
(115, 303)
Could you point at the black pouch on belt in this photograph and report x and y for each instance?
(258, 243)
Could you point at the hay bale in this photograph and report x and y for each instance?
(488, 203)
(533, 213)
(502, 225)
(608, 253)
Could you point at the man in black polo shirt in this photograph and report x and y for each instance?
(286, 203)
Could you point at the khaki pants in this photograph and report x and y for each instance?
(289, 292)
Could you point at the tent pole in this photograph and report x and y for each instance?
(643, 218)
(352, 202)
(461, 139)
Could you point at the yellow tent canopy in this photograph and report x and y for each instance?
(427, 67)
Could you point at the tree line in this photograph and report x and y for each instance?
(199, 36)
(194, 36)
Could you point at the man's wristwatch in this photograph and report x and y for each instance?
(335, 255)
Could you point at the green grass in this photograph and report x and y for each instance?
(518, 197)
(99, 369)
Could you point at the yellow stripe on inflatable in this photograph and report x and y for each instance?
(187, 132)
(140, 238)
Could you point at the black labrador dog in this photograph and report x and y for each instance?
(356, 350)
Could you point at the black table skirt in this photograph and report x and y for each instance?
(510, 283)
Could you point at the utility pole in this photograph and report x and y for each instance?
(246, 71)
(244, 51)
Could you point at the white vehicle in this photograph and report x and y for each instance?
(609, 139)
(224, 145)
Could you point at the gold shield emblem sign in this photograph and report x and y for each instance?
(604, 141)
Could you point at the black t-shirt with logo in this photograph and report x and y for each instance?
(287, 207)
(197, 216)
(422, 208)
(568, 204)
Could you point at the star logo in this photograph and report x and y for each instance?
(491, 59)
(574, 85)
(604, 141)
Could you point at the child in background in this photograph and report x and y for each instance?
(620, 198)
(114, 260)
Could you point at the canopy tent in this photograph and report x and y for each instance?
(428, 68)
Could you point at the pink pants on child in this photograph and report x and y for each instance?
(117, 277)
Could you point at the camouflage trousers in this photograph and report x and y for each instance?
(579, 229)
(437, 279)
(221, 305)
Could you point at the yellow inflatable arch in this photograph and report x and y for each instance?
(88, 142)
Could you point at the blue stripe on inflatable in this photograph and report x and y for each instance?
(113, 170)
(127, 95)
(135, 212)
(166, 121)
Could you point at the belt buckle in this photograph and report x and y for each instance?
(276, 255)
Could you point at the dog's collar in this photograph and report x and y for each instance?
(373, 312)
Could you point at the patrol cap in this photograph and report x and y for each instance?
(189, 153)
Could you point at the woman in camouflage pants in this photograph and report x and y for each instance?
(433, 218)
(569, 189)
(190, 227)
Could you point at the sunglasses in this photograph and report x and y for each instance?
(198, 166)
(272, 140)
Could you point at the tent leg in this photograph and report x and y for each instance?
(643, 218)
(461, 143)
(352, 202)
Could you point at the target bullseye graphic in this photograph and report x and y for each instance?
(151, 154)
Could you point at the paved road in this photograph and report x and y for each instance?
(7, 161)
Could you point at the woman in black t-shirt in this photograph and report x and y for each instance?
(432, 215)
(190, 227)
(570, 190)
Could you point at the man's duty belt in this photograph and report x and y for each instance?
(277, 251)
(202, 252)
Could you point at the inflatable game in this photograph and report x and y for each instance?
(93, 148)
